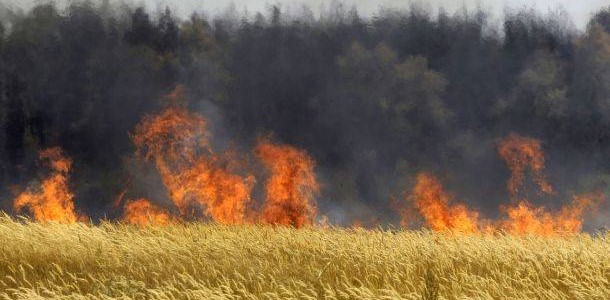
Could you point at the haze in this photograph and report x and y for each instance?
(579, 11)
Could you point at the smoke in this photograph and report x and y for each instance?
(373, 101)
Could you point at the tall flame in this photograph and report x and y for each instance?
(520, 153)
(142, 212)
(177, 141)
(522, 216)
(52, 200)
(434, 204)
(199, 180)
(292, 186)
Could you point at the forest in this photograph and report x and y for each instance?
(374, 100)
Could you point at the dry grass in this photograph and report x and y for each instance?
(204, 261)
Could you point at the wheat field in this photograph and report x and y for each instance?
(207, 261)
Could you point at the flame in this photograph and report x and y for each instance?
(224, 194)
(292, 186)
(177, 141)
(524, 218)
(356, 223)
(434, 204)
(368, 223)
(519, 153)
(53, 200)
(570, 218)
(142, 212)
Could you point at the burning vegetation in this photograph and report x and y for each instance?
(525, 218)
(202, 183)
(431, 201)
(142, 212)
(198, 179)
(195, 177)
(399, 98)
(521, 217)
(51, 199)
(292, 186)
(273, 155)
(521, 153)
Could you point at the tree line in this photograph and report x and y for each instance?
(372, 99)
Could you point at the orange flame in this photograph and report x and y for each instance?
(142, 212)
(519, 153)
(224, 194)
(291, 189)
(369, 223)
(525, 218)
(356, 223)
(177, 141)
(434, 204)
(570, 218)
(53, 200)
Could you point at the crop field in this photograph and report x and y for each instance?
(209, 261)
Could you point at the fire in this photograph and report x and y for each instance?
(200, 181)
(525, 218)
(292, 186)
(434, 204)
(356, 223)
(224, 194)
(177, 141)
(52, 200)
(570, 218)
(368, 223)
(142, 212)
(520, 153)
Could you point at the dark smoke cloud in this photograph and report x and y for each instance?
(373, 100)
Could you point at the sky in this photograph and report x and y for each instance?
(579, 10)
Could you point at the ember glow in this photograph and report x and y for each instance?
(51, 200)
(291, 187)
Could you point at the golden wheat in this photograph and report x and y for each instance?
(207, 261)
